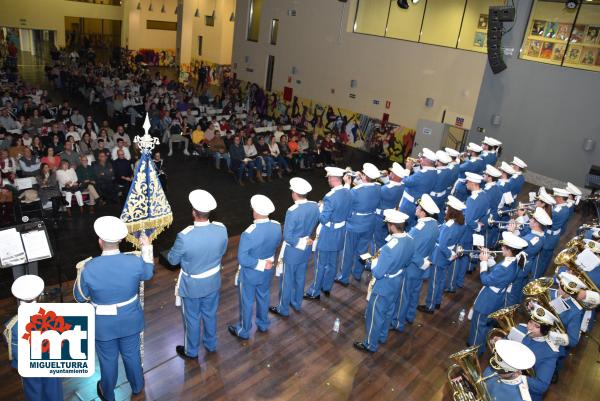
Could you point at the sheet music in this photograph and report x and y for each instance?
(11, 248)
(36, 245)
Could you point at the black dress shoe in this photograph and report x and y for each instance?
(424, 309)
(438, 306)
(327, 293)
(449, 291)
(274, 310)
(359, 345)
(232, 330)
(180, 349)
(312, 297)
(337, 280)
(99, 391)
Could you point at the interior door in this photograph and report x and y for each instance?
(429, 135)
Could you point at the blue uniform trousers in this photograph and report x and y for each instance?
(378, 317)
(451, 275)
(355, 245)
(108, 356)
(42, 388)
(516, 291)
(194, 309)
(435, 288)
(291, 287)
(325, 263)
(381, 232)
(398, 320)
(406, 309)
(480, 326)
(462, 264)
(248, 293)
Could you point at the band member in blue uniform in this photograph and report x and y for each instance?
(300, 221)
(474, 164)
(495, 279)
(419, 183)
(560, 217)
(570, 311)
(475, 218)
(334, 211)
(360, 225)
(494, 193)
(424, 234)
(589, 261)
(199, 249)
(391, 193)
(445, 180)
(110, 282)
(518, 179)
(27, 289)
(490, 150)
(444, 254)
(387, 269)
(509, 360)
(507, 201)
(574, 197)
(256, 255)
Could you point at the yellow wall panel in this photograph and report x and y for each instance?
(406, 24)
(371, 16)
(441, 25)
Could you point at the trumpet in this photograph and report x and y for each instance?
(503, 225)
(523, 206)
(460, 251)
(415, 162)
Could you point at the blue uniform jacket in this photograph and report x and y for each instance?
(450, 235)
(494, 193)
(471, 165)
(365, 200)
(112, 279)
(391, 193)
(535, 242)
(495, 282)
(258, 242)
(300, 221)
(424, 235)
(417, 184)
(336, 210)
(516, 183)
(443, 184)
(545, 363)
(394, 257)
(476, 211)
(571, 319)
(501, 390)
(560, 216)
(489, 157)
(199, 248)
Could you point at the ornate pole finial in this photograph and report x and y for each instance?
(146, 142)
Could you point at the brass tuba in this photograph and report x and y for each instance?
(537, 291)
(465, 377)
(506, 319)
(568, 256)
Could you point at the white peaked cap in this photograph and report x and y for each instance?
(495, 142)
(300, 186)
(487, 141)
(443, 157)
(429, 154)
(573, 190)
(262, 205)
(542, 217)
(514, 354)
(474, 147)
(511, 240)
(27, 287)
(202, 200)
(571, 281)
(398, 170)
(507, 168)
(518, 162)
(492, 171)
(546, 198)
(394, 216)
(456, 203)
(560, 192)
(476, 178)
(110, 228)
(542, 315)
(371, 171)
(334, 172)
(428, 204)
(452, 152)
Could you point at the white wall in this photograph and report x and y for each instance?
(136, 36)
(328, 57)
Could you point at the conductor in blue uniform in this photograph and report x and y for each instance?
(387, 269)
(300, 221)
(256, 255)
(419, 183)
(110, 282)
(360, 225)
(199, 249)
(391, 193)
(27, 289)
(334, 211)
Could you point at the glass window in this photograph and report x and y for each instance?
(274, 31)
(583, 50)
(371, 16)
(473, 33)
(254, 14)
(441, 24)
(405, 24)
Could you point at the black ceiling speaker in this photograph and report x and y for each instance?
(402, 4)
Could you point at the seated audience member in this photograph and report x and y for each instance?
(56, 143)
(69, 185)
(16, 151)
(123, 171)
(198, 141)
(77, 118)
(106, 137)
(69, 154)
(52, 160)
(87, 178)
(37, 147)
(159, 164)
(47, 188)
(264, 154)
(240, 164)
(29, 163)
(105, 178)
(305, 153)
(278, 133)
(176, 134)
(218, 150)
(286, 152)
(87, 145)
(121, 134)
(252, 154)
(101, 148)
(120, 147)
(281, 161)
(326, 150)
(8, 166)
